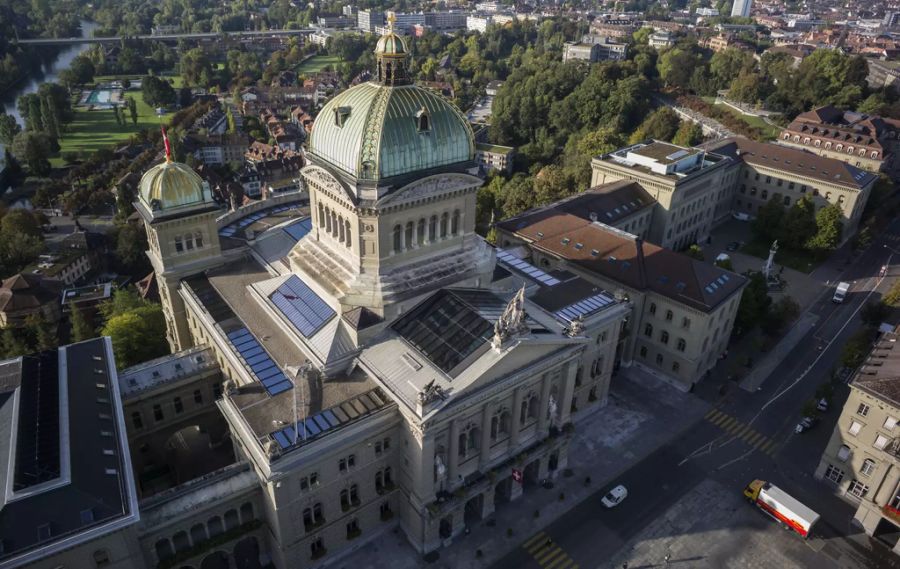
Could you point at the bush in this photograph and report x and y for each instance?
(857, 348)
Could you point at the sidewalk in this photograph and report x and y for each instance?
(643, 414)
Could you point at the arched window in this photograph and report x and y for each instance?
(420, 232)
(164, 549)
(214, 526)
(648, 330)
(423, 123)
(231, 520)
(850, 150)
(348, 238)
(246, 512)
(533, 407)
(182, 543)
(817, 143)
(664, 337)
(179, 244)
(327, 220)
(321, 216)
(495, 427)
(398, 238)
(787, 136)
(340, 227)
(409, 235)
(806, 140)
(839, 147)
(432, 229)
(334, 223)
(444, 219)
(827, 146)
(874, 155)
(681, 344)
(198, 239)
(189, 241)
(454, 225)
(652, 308)
(198, 533)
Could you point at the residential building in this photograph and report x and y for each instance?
(862, 459)
(593, 49)
(741, 8)
(683, 310)
(368, 20)
(622, 29)
(768, 171)
(24, 295)
(478, 22)
(494, 157)
(331, 336)
(218, 149)
(69, 495)
(883, 74)
(690, 186)
(661, 40)
(446, 21)
(865, 141)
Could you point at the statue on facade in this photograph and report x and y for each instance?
(576, 327)
(431, 392)
(440, 471)
(552, 408)
(512, 322)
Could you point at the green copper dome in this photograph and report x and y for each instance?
(170, 184)
(375, 131)
(390, 44)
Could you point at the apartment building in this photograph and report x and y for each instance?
(862, 459)
(494, 157)
(594, 49)
(690, 186)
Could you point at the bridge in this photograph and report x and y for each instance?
(168, 37)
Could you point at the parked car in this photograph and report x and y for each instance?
(741, 216)
(822, 405)
(805, 424)
(733, 246)
(883, 271)
(615, 496)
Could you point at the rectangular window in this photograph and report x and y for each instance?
(858, 489)
(342, 465)
(198, 397)
(137, 421)
(890, 423)
(881, 441)
(868, 467)
(157, 413)
(179, 406)
(854, 428)
(834, 474)
(862, 410)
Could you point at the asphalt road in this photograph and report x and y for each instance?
(748, 436)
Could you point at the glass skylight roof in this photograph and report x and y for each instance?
(447, 328)
(511, 261)
(258, 361)
(303, 308)
(585, 307)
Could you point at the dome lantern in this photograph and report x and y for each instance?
(171, 184)
(391, 54)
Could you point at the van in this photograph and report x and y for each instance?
(840, 292)
(741, 216)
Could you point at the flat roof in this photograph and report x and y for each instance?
(168, 369)
(664, 153)
(94, 491)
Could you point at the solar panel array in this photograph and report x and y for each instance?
(719, 282)
(514, 262)
(232, 229)
(585, 307)
(299, 229)
(37, 447)
(331, 418)
(303, 308)
(258, 361)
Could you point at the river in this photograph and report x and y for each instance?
(48, 72)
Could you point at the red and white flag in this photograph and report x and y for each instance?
(517, 475)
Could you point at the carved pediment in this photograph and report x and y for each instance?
(324, 178)
(429, 187)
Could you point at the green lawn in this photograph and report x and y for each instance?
(92, 130)
(317, 63)
(769, 130)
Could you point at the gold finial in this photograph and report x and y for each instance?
(391, 19)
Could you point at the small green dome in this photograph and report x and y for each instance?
(170, 184)
(374, 131)
(391, 44)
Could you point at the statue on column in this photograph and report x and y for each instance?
(770, 262)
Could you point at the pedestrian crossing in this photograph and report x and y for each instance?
(742, 431)
(547, 554)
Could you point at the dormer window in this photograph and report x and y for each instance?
(423, 120)
(341, 114)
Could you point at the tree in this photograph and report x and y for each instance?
(857, 348)
(747, 88)
(874, 313)
(137, 335)
(799, 223)
(81, 327)
(33, 148)
(892, 298)
(157, 92)
(688, 134)
(123, 300)
(726, 65)
(29, 107)
(80, 71)
(195, 67)
(768, 220)
(131, 244)
(132, 109)
(13, 344)
(662, 124)
(829, 228)
(779, 315)
(43, 332)
(695, 252)
(9, 128)
(676, 67)
(755, 302)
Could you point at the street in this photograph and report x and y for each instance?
(745, 436)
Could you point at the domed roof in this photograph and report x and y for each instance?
(170, 184)
(391, 44)
(374, 131)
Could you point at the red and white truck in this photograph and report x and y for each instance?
(782, 506)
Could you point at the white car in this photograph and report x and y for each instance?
(615, 496)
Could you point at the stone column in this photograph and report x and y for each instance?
(453, 459)
(487, 413)
(516, 417)
(545, 403)
(568, 389)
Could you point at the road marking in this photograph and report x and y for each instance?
(552, 555)
(737, 426)
(743, 431)
(560, 563)
(712, 412)
(755, 439)
(728, 423)
(547, 553)
(767, 447)
(531, 540)
(720, 420)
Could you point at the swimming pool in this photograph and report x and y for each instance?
(101, 96)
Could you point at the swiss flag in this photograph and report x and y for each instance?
(517, 475)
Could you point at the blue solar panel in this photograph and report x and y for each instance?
(303, 308)
(236, 333)
(282, 439)
(262, 366)
(276, 389)
(259, 362)
(329, 416)
(321, 423)
(259, 357)
(311, 427)
(253, 352)
(298, 229)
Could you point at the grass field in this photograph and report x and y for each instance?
(92, 130)
(317, 63)
(770, 131)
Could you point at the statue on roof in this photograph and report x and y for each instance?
(512, 322)
(431, 392)
(576, 327)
